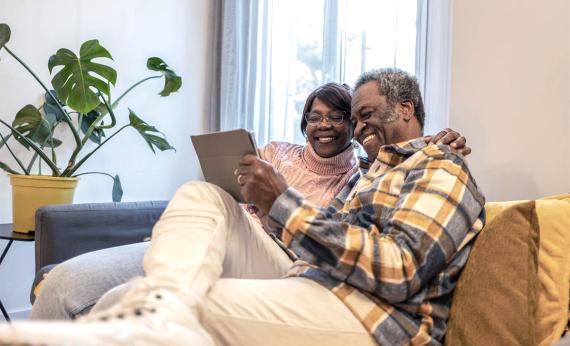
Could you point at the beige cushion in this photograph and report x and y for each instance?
(553, 268)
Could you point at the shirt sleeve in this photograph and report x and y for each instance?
(437, 212)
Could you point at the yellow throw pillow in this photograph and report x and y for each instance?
(495, 299)
(552, 261)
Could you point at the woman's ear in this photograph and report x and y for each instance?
(406, 110)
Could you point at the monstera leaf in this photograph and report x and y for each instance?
(3, 140)
(117, 193)
(78, 82)
(86, 122)
(30, 124)
(4, 34)
(153, 139)
(52, 111)
(7, 168)
(172, 82)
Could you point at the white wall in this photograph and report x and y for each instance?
(178, 31)
(510, 94)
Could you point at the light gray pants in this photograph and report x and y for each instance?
(74, 286)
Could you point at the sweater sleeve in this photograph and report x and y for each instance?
(268, 152)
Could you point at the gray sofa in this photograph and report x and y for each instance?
(65, 231)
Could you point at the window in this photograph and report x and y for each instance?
(314, 42)
(294, 46)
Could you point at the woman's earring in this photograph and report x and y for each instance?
(355, 145)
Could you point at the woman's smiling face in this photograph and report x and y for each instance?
(326, 138)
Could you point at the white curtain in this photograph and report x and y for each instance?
(244, 92)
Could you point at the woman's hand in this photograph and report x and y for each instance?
(451, 137)
(260, 182)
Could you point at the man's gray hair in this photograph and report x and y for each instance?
(398, 86)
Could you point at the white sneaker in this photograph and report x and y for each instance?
(144, 316)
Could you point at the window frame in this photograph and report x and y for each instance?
(433, 60)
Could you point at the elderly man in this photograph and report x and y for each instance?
(378, 265)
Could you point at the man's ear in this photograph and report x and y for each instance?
(407, 110)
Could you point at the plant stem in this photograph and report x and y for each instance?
(131, 88)
(56, 101)
(32, 161)
(14, 156)
(54, 169)
(71, 161)
(70, 171)
(53, 157)
(111, 113)
(98, 120)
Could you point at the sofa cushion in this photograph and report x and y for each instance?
(495, 299)
(553, 268)
(552, 261)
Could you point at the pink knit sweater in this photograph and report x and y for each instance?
(318, 179)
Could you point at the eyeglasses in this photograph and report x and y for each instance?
(335, 118)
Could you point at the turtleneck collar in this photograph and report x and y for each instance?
(338, 164)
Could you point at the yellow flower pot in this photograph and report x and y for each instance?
(29, 192)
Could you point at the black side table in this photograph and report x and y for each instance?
(7, 234)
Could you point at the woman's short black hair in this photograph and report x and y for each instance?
(337, 96)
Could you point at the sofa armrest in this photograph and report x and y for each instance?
(65, 231)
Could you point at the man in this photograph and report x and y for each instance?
(378, 265)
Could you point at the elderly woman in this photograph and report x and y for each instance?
(318, 169)
(321, 167)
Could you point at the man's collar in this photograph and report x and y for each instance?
(394, 154)
(405, 148)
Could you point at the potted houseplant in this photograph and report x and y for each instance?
(80, 99)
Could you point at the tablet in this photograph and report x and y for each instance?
(219, 154)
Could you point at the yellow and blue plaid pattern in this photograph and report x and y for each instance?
(393, 242)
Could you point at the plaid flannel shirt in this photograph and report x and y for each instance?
(392, 244)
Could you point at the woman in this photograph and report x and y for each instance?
(318, 169)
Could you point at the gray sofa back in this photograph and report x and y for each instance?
(65, 231)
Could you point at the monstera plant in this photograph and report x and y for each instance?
(81, 99)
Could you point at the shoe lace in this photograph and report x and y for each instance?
(134, 302)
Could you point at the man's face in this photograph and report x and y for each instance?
(377, 123)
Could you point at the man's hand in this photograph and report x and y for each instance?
(260, 182)
(454, 139)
